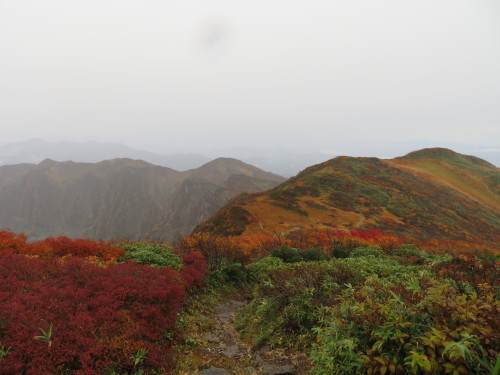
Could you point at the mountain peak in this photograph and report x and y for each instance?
(48, 162)
(444, 154)
(224, 168)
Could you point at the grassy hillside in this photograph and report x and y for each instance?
(432, 193)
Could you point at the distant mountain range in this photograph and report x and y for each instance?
(431, 193)
(283, 161)
(36, 150)
(120, 198)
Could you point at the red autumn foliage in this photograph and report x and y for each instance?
(10, 241)
(470, 271)
(59, 246)
(100, 316)
(194, 269)
(62, 246)
(245, 249)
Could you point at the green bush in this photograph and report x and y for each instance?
(340, 252)
(367, 251)
(260, 270)
(292, 255)
(289, 300)
(287, 254)
(411, 326)
(153, 254)
(407, 250)
(381, 267)
(312, 255)
(230, 274)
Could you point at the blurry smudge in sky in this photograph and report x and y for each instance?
(214, 33)
(195, 74)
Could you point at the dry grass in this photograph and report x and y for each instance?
(443, 173)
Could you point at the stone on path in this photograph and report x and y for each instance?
(231, 351)
(274, 369)
(213, 371)
(212, 338)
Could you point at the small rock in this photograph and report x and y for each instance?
(211, 338)
(265, 349)
(213, 371)
(231, 351)
(260, 361)
(281, 370)
(221, 308)
(274, 369)
(237, 304)
(226, 317)
(203, 316)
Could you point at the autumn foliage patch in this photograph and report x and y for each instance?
(60, 246)
(68, 315)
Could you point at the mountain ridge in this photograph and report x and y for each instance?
(36, 150)
(411, 196)
(115, 199)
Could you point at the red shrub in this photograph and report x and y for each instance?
(62, 246)
(100, 316)
(194, 270)
(469, 270)
(11, 242)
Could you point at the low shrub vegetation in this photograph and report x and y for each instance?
(358, 302)
(68, 311)
(397, 310)
(153, 254)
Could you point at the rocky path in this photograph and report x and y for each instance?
(229, 355)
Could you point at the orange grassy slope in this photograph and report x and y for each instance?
(431, 193)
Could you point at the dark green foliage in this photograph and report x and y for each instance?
(340, 251)
(231, 274)
(289, 300)
(292, 255)
(312, 255)
(287, 254)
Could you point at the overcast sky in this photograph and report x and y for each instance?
(192, 75)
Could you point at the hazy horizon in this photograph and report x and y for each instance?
(343, 77)
(272, 155)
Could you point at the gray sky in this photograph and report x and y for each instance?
(192, 75)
